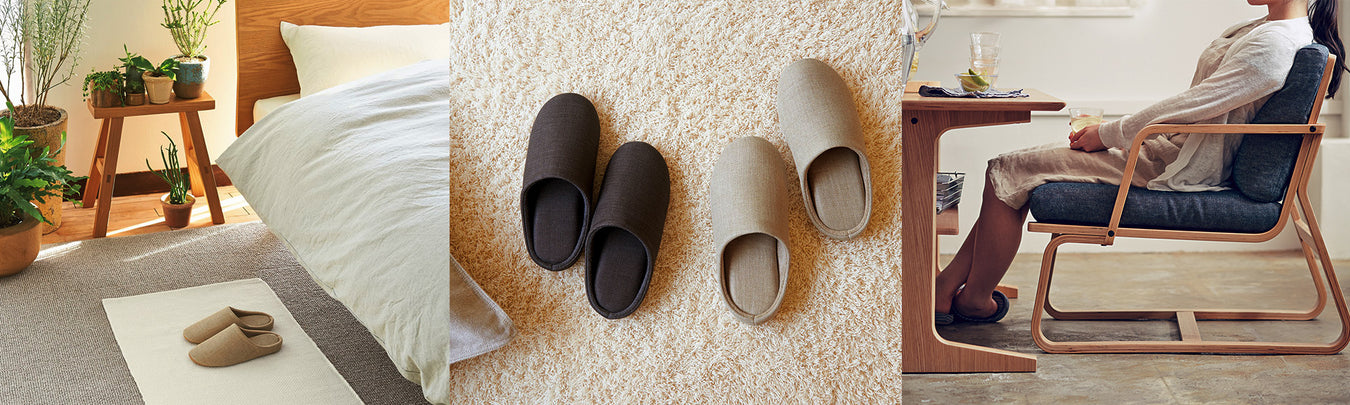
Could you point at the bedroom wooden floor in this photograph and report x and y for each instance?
(141, 214)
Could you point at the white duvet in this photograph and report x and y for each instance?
(354, 180)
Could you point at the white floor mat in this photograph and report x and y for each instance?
(149, 330)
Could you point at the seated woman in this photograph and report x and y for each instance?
(1235, 76)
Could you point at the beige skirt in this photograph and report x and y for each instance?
(1014, 174)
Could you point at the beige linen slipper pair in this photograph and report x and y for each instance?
(231, 336)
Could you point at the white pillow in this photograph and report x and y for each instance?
(329, 56)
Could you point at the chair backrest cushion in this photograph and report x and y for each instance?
(1264, 164)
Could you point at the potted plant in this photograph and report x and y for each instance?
(134, 93)
(177, 202)
(187, 21)
(40, 46)
(103, 89)
(131, 66)
(158, 79)
(26, 174)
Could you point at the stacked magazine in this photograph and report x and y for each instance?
(949, 189)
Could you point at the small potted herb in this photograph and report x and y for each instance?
(178, 202)
(27, 173)
(135, 93)
(158, 79)
(103, 89)
(131, 66)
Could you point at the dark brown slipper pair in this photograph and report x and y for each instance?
(231, 336)
(622, 232)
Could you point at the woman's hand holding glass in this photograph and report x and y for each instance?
(1087, 139)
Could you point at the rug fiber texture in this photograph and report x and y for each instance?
(686, 76)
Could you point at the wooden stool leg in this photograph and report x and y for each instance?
(189, 151)
(109, 176)
(199, 162)
(92, 185)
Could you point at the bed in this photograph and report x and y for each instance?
(266, 69)
(353, 176)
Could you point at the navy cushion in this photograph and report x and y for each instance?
(1264, 163)
(1214, 211)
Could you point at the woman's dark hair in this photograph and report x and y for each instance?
(1322, 17)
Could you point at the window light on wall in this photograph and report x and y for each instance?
(1037, 8)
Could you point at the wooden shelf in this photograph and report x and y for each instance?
(949, 222)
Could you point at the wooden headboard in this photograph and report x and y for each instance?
(265, 66)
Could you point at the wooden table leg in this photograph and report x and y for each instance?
(189, 151)
(109, 175)
(92, 186)
(199, 164)
(925, 351)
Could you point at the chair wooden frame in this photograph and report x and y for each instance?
(1296, 209)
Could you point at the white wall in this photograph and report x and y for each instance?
(1120, 64)
(136, 24)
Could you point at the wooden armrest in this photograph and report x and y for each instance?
(1144, 134)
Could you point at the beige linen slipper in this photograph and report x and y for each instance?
(819, 121)
(749, 201)
(233, 346)
(209, 326)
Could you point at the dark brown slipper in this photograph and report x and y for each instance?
(630, 215)
(555, 201)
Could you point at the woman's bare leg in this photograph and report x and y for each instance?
(954, 275)
(983, 258)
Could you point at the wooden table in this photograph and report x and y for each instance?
(103, 169)
(925, 120)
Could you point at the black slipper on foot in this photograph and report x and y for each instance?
(1000, 299)
(942, 319)
(630, 215)
(555, 201)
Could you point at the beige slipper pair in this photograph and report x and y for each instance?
(749, 197)
(231, 336)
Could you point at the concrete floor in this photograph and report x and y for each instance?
(1257, 280)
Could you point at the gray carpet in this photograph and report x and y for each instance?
(56, 346)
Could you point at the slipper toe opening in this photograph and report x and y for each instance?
(838, 189)
(751, 269)
(619, 261)
(558, 220)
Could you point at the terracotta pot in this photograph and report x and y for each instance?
(158, 88)
(21, 245)
(135, 99)
(191, 78)
(104, 99)
(177, 215)
(49, 135)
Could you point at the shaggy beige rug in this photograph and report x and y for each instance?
(687, 76)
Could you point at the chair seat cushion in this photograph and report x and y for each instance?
(1214, 211)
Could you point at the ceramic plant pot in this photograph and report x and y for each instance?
(49, 136)
(191, 78)
(159, 89)
(132, 74)
(104, 99)
(177, 215)
(135, 99)
(21, 245)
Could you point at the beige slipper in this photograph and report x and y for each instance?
(749, 200)
(233, 346)
(821, 126)
(209, 326)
